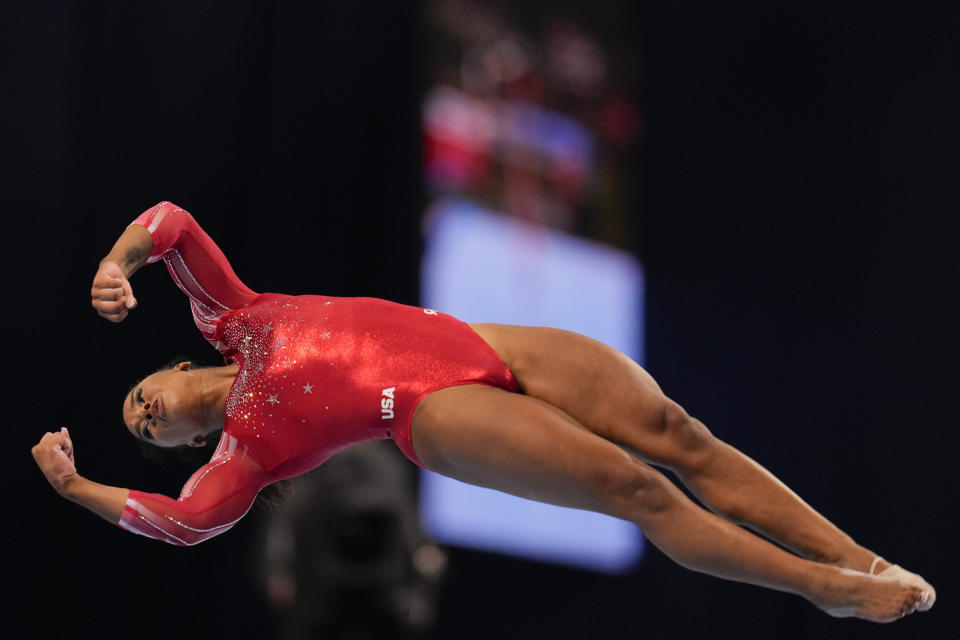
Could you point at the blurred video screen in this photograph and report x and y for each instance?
(531, 127)
(485, 267)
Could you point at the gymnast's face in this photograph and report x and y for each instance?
(167, 409)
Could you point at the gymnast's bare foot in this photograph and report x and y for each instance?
(896, 572)
(854, 594)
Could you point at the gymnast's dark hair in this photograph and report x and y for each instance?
(270, 496)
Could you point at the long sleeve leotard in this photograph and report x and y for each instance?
(316, 374)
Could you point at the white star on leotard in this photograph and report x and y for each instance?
(308, 388)
(272, 399)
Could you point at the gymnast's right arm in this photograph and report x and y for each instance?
(54, 456)
(213, 500)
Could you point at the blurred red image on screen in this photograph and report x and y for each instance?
(532, 110)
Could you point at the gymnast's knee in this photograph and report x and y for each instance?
(635, 491)
(689, 441)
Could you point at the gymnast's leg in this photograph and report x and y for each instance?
(524, 446)
(616, 399)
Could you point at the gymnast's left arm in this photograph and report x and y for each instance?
(195, 262)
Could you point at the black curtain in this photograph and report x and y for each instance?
(802, 241)
(291, 132)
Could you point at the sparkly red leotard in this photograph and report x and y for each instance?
(316, 374)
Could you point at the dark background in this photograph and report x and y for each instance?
(799, 229)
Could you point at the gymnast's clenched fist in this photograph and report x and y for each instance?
(111, 293)
(54, 456)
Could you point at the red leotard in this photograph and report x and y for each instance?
(316, 374)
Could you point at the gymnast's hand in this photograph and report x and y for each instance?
(111, 292)
(54, 456)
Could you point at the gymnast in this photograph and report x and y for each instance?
(540, 413)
